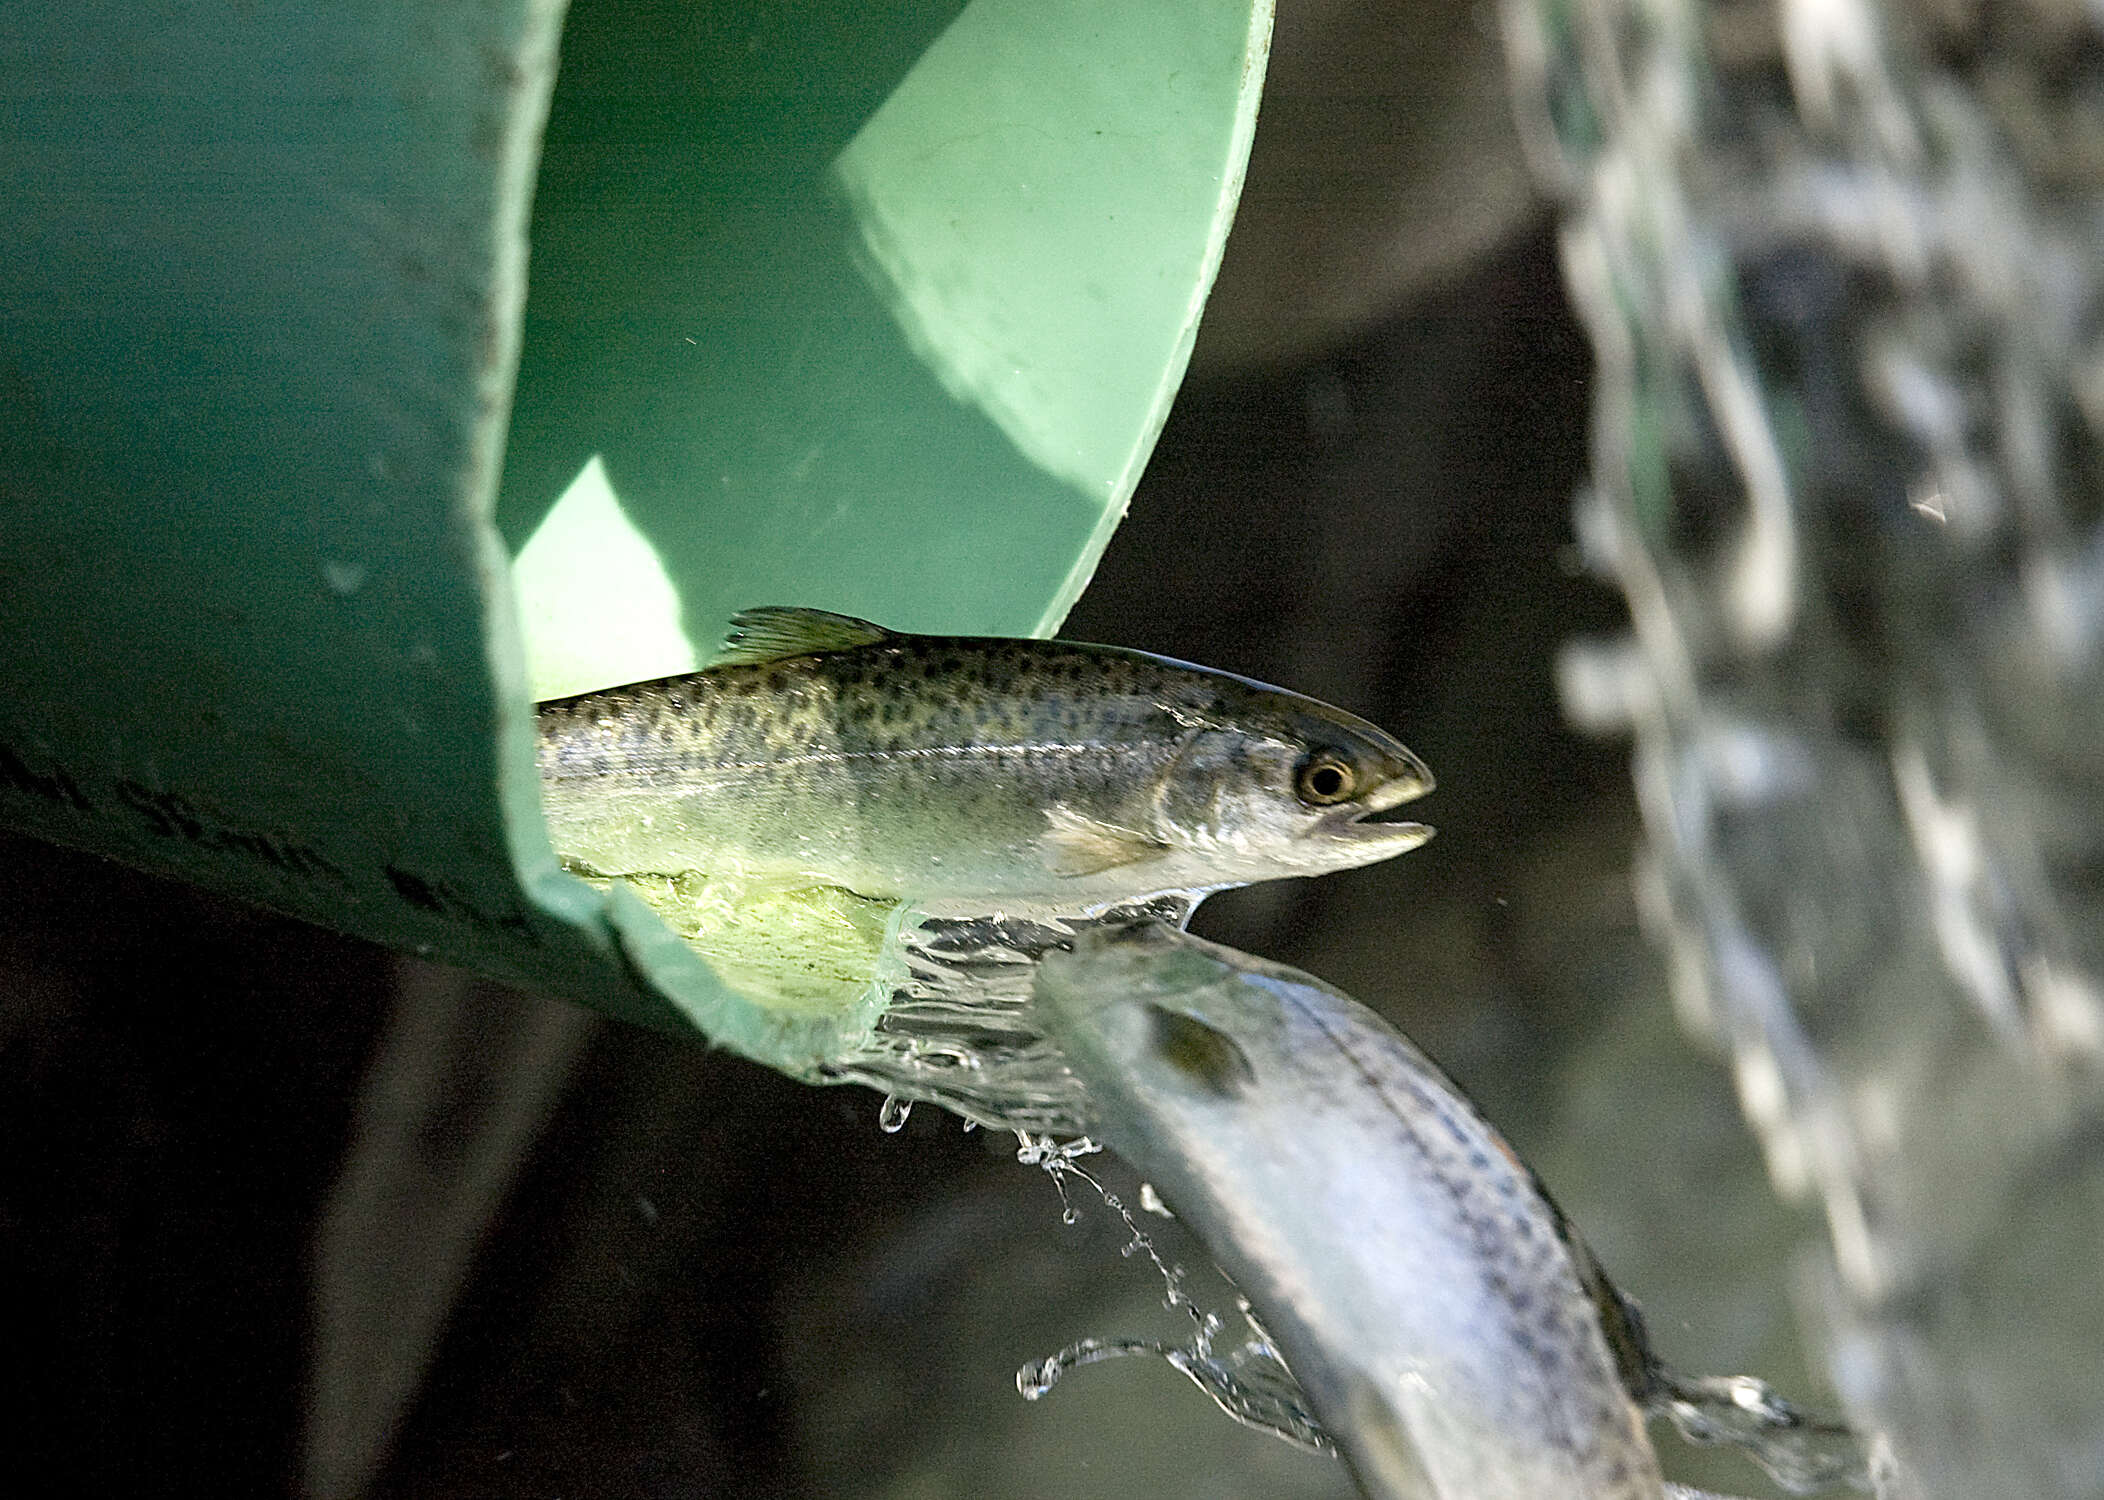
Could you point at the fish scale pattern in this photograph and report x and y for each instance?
(916, 693)
(1530, 1258)
(1839, 261)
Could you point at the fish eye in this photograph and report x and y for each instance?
(1323, 779)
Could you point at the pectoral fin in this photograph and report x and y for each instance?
(1077, 844)
(1379, 1449)
(775, 632)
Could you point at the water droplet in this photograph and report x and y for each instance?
(970, 1126)
(1151, 1201)
(1070, 1215)
(891, 1119)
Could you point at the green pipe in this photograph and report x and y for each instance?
(878, 310)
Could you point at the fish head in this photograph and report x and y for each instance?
(1296, 788)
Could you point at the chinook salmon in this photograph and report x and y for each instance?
(967, 774)
(1449, 1329)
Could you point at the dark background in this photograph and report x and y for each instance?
(646, 1269)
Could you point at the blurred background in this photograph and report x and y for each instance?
(284, 1213)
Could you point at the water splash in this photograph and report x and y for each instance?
(1248, 1381)
(957, 1032)
(1805, 1454)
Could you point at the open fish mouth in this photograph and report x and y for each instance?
(1379, 815)
(1386, 817)
(1400, 834)
(1385, 826)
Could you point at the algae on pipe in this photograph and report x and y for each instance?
(966, 775)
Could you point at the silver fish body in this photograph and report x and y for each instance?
(971, 774)
(1447, 1326)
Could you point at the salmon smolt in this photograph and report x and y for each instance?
(1447, 1325)
(967, 774)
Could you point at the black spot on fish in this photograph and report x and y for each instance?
(1209, 1058)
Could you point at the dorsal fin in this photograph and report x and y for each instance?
(774, 632)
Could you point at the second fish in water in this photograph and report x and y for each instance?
(1444, 1320)
(1448, 1327)
(967, 774)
